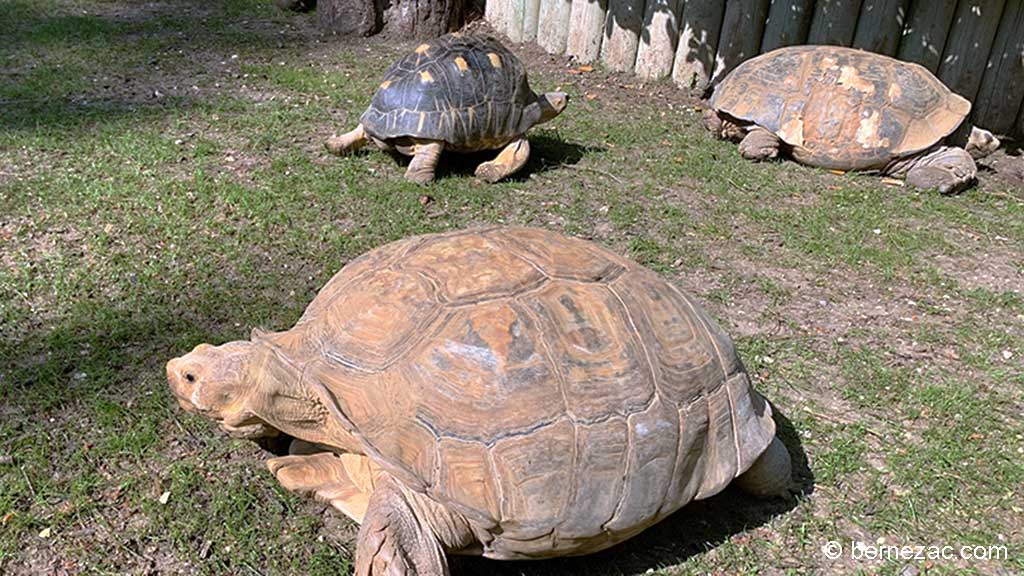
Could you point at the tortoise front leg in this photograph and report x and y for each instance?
(348, 142)
(509, 161)
(948, 170)
(395, 540)
(344, 481)
(424, 162)
(759, 144)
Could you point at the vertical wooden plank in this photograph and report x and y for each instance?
(788, 23)
(834, 22)
(968, 45)
(658, 42)
(1002, 86)
(553, 25)
(586, 27)
(494, 13)
(531, 14)
(1020, 121)
(925, 35)
(514, 19)
(880, 25)
(742, 27)
(698, 43)
(622, 34)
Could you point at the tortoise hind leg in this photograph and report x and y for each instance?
(948, 169)
(394, 540)
(510, 160)
(771, 473)
(424, 162)
(759, 144)
(348, 142)
(344, 481)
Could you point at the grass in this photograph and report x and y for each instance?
(162, 184)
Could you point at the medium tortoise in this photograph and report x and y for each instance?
(508, 392)
(847, 109)
(460, 92)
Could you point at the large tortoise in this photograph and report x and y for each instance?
(509, 392)
(847, 109)
(459, 92)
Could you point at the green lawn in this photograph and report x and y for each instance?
(163, 183)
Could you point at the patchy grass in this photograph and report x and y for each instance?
(162, 183)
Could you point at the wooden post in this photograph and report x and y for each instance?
(531, 14)
(1002, 87)
(514, 19)
(925, 35)
(553, 25)
(658, 43)
(698, 43)
(740, 38)
(494, 13)
(880, 25)
(834, 22)
(968, 45)
(788, 22)
(622, 34)
(586, 27)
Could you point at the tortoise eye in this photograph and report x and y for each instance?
(190, 377)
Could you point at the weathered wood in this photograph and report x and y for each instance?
(880, 25)
(494, 13)
(1020, 121)
(348, 17)
(698, 43)
(968, 45)
(658, 43)
(586, 27)
(926, 31)
(622, 34)
(1002, 86)
(740, 38)
(553, 25)
(531, 15)
(788, 23)
(514, 19)
(834, 22)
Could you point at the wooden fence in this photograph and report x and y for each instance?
(975, 46)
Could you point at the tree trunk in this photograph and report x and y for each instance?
(402, 18)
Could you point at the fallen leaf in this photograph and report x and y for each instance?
(424, 200)
(587, 68)
(837, 172)
(7, 518)
(573, 71)
(590, 96)
(892, 182)
(45, 533)
(165, 497)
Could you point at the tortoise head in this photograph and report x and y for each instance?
(981, 143)
(220, 382)
(551, 105)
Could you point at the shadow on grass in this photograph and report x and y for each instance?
(65, 67)
(546, 153)
(694, 529)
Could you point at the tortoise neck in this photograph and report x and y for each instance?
(288, 402)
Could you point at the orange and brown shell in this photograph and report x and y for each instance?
(560, 397)
(841, 108)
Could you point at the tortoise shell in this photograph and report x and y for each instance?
(560, 397)
(839, 107)
(468, 91)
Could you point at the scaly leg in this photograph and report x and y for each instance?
(949, 170)
(771, 473)
(424, 162)
(348, 142)
(396, 541)
(759, 144)
(345, 481)
(509, 161)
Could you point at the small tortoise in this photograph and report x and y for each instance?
(847, 109)
(463, 93)
(507, 392)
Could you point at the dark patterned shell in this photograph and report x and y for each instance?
(560, 397)
(842, 108)
(468, 91)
